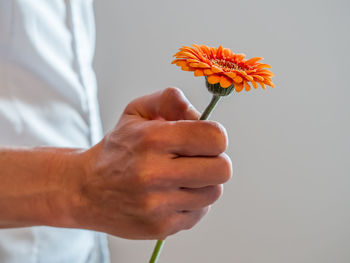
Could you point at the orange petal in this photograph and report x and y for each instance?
(242, 72)
(231, 75)
(191, 60)
(190, 50)
(213, 79)
(255, 85)
(262, 85)
(253, 60)
(213, 52)
(238, 79)
(198, 72)
(246, 86)
(181, 63)
(186, 68)
(208, 72)
(269, 82)
(239, 87)
(216, 69)
(225, 82)
(263, 66)
(240, 57)
(228, 53)
(190, 55)
(203, 65)
(194, 65)
(219, 52)
(265, 73)
(250, 78)
(196, 47)
(260, 78)
(205, 49)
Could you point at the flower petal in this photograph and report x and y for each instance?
(190, 55)
(213, 52)
(194, 65)
(181, 63)
(228, 53)
(191, 60)
(225, 82)
(255, 85)
(260, 78)
(203, 65)
(239, 87)
(231, 75)
(269, 82)
(198, 72)
(263, 66)
(187, 68)
(213, 79)
(208, 72)
(219, 52)
(240, 57)
(265, 73)
(205, 49)
(253, 60)
(262, 84)
(238, 79)
(246, 86)
(216, 69)
(248, 77)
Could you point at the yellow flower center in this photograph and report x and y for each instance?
(225, 64)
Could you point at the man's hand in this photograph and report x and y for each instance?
(156, 173)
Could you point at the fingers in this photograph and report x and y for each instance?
(185, 138)
(188, 219)
(169, 104)
(179, 221)
(196, 172)
(188, 199)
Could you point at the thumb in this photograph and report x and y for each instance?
(169, 104)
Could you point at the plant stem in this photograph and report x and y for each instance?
(210, 107)
(156, 251)
(205, 115)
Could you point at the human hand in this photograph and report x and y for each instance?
(156, 173)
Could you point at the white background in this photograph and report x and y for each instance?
(289, 201)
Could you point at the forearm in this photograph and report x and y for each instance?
(35, 186)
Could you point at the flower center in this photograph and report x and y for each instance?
(226, 65)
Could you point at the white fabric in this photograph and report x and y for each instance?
(48, 97)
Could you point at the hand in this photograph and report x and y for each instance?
(156, 173)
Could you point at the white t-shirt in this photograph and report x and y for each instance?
(48, 98)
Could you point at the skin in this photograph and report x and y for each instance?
(156, 173)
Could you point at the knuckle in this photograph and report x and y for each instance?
(129, 107)
(148, 177)
(226, 167)
(150, 138)
(219, 135)
(149, 206)
(172, 92)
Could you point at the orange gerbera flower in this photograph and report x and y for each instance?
(221, 65)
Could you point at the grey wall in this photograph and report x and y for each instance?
(290, 198)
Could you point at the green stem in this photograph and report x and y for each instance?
(210, 107)
(205, 115)
(156, 251)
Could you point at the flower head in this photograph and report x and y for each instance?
(223, 68)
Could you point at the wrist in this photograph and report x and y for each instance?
(67, 172)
